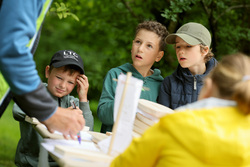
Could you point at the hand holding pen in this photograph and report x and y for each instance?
(68, 121)
(78, 134)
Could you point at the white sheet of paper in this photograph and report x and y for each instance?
(49, 145)
(84, 135)
(148, 115)
(123, 134)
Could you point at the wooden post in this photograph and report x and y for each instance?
(129, 74)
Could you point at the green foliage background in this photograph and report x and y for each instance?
(102, 31)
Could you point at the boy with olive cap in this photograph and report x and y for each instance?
(192, 45)
(63, 74)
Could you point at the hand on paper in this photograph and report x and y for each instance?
(82, 87)
(68, 121)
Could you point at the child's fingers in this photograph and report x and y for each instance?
(83, 80)
(80, 83)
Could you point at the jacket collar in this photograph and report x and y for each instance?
(184, 73)
(129, 67)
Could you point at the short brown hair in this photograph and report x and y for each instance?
(155, 27)
(69, 68)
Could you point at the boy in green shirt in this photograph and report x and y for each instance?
(63, 74)
(147, 48)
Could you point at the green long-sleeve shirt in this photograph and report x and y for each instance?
(105, 108)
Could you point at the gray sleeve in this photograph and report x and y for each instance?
(87, 114)
(18, 114)
(38, 103)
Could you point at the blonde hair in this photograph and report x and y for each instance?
(209, 55)
(232, 77)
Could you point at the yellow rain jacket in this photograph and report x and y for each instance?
(210, 132)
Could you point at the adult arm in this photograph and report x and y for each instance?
(18, 114)
(16, 61)
(18, 67)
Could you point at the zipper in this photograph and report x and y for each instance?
(195, 83)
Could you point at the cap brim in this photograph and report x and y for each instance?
(60, 64)
(170, 39)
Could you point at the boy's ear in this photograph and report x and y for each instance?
(159, 56)
(205, 51)
(47, 71)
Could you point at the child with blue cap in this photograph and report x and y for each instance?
(64, 72)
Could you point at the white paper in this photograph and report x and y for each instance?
(84, 134)
(148, 115)
(123, 135)
(49, 145)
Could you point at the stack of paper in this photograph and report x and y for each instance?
(69, 153)
(148, 113)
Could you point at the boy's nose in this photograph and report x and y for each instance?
(62, 84)
(140, 48)
(181, 51)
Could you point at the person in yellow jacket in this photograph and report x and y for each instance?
(214, 131)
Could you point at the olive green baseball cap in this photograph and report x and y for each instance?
(192, 33)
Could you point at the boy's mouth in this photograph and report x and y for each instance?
(181, 59)
(137, 56)
(59, 90)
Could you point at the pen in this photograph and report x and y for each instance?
(78, 134)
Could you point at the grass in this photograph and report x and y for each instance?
(10, 134)
(97, 122)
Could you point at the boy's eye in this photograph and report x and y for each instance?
(177, 47)
(137, 41)
(71, 83)
(58, 77)
(189, 46)
(150, 46)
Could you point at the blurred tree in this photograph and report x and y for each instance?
(105, 30)
(227, 20)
